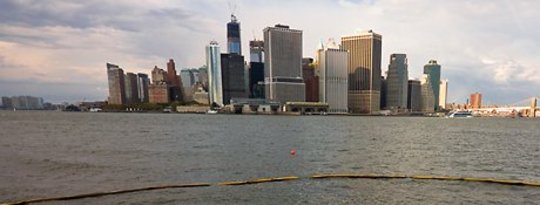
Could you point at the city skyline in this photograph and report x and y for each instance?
(57, 50)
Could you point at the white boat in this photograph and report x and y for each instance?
(95, 110)
(460, 114)
(212, 112)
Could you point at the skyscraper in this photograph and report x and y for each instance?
(443, 94)
(158, 91)
(142, 87)
(414, 96)
(283, 64)
(397, 81)
(364, 66)
(427, 98)
(132, 94)
(333, 79)
(174, 82)
(434, 71)
(256, 68)
(232, 73)
(213, 63)
(233, 36)
(256, 51)
(476, 100)
(311, 80)
(188, 80)
(115, 75)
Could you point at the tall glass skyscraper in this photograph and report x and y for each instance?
(433, 70)
(397, 80)
(233, 36)
(213, 63)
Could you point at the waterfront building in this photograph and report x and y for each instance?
(213, 63)
(115, 75)
(200, 95)
(311, 80)
(433, 70)
(188, 80)
(232, 72)
(7, 103)
(158, 93)
(26, 103)
(384, 89)
(283, 64)
(427, 96)
(234, 45)
(333, 77)
(397, 82)
(256, 69)
(443, 94)
(414, 96)
(256, 51)
(142, 87)
(203, 76)
(256, 76)
(364, 64)
(159, 76)
(174, 82)
(476, 100)
(132, 94)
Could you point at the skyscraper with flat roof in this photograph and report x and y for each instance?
(213, 63)
(476, 100)
(311, 80)
(364, 64)
(174, 82)
(443, 94)
(256, 68)
(283, 64)
(234, 44)
(115, 75)
(414, 96)
(397, 81)
(427, 98)
(433, 70)
(142, 87)
(333, 79)
(132, 94)
(232, 73)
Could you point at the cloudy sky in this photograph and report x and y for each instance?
(57, 49)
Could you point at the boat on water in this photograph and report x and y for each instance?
(212, 112)
(460, 114)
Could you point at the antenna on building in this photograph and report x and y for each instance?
(232, 10)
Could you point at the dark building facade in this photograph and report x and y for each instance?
(232, 73)
(256, 75)
(311, 80)
(174, 82)
(132, 94)
(384, 92)
(414, 96)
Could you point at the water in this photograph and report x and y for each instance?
(57, 154)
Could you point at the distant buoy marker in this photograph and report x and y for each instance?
(293, 152)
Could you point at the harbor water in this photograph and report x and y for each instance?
(44, 154)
